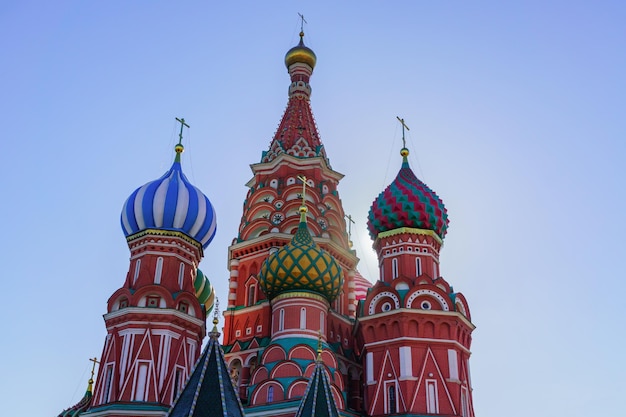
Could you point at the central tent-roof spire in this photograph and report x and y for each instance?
(297, 133)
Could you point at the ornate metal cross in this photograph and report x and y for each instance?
(302, 22)
(403, 127)
(182, 124)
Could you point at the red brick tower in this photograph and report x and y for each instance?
(270, 219)
(414, 330)
(156, 321)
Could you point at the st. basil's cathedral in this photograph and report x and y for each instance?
(304, 333)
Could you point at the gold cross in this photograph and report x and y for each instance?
(182, 124)
(303, 179)
(216, 312)
(350, 222)
(93, 368)
(403, 127)
(302, 22)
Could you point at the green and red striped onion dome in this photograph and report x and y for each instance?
(407, 202)
(204, 291)
(301, 266)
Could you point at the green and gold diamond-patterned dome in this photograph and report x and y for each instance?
(301, 266)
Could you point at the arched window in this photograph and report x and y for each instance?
(281, 320)
(303, 318)
(322, 321)
(418, 267)
(270, 393)
(181, 274)
(137, 267)
(394, 268)
(158, 271)
(435, 271)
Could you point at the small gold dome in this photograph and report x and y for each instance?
(300, 53)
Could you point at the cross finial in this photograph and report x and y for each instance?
(303, 179)
(350, 222)
(182, 124)
(302, 22)
(93, 368)
(216, 312)
(404, 126)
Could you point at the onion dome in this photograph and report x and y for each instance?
(204, 291)
(170, 203)
(301, 266)
(407, 202)
(300, 53)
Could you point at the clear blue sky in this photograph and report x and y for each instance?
(517, 113)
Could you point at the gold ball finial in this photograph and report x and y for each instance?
(179, 148)
(404, 152)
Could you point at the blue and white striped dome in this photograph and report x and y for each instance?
(170, 203)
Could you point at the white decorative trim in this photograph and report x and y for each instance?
(377, 298)
(459, 302)
(436, 295)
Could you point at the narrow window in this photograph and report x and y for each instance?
(432, 406)
(453, 364)
(177, 380)
(140, 382)
(391, 399)
(369, 367)
(321, 321)
(281, 320)
(394, 268)
(137, 267)
(435, 272)
(251, 295)
(418, 267)
(303, 318)
(107, 384)
(406, 361)
(159, 269)
(464, 403)
(181, 274)
(270, 394)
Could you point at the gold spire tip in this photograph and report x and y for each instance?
(319, 346)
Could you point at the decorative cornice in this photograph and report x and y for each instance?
(300, 294)
(153, 311)
(170, 233)
(298, 164)
(405, 339)
(419, 312)
(409, 230)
